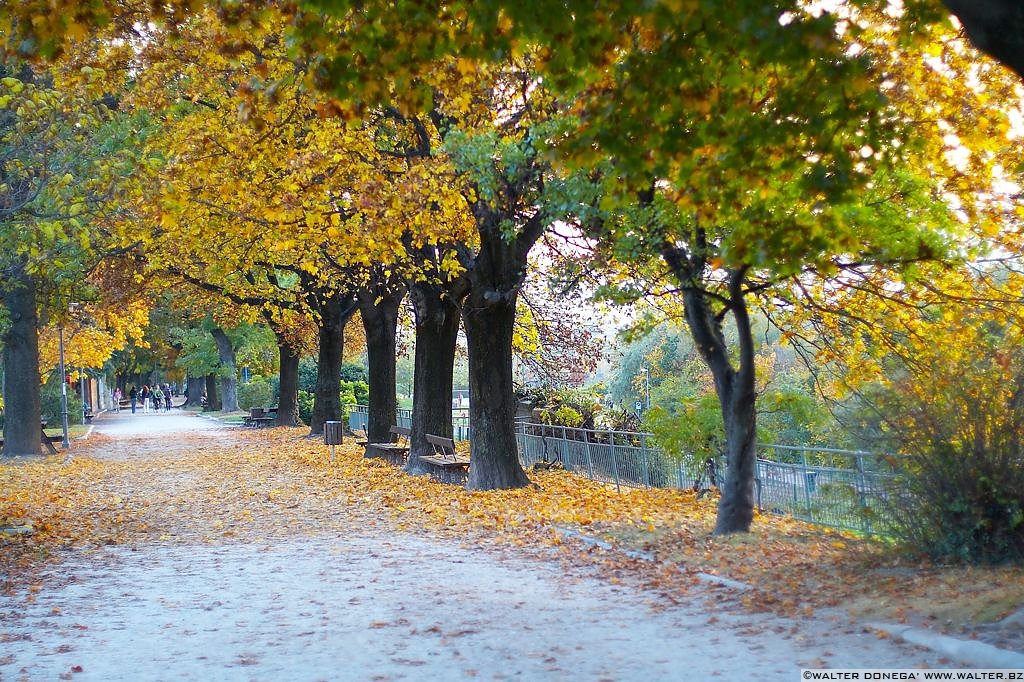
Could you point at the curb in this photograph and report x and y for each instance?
(210, 418)
(967, 650)
(971, 652)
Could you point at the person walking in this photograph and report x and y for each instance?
(116, 399)
(133, 396)
(146, 397)
(168, 392)
(158, 397)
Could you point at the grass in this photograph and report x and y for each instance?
(74, 430)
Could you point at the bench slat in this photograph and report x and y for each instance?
(444, 462)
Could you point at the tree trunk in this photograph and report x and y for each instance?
(735, 388)
(378, 306)
(21, 367)
(995, 27)
(495, 275)
(212, 399)
(288, 400)
(335, 312)
(736, 506)
(492, 404)
(437, 331)
(228, 372)
(196, 386)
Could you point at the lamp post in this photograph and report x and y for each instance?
(65, 443)
(81, 385)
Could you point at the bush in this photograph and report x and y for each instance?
(961, 491)
(348, 394)
(50, 399)
(562, 416)
(307, 375)
(963, 501)
(306, 406)
(361, 389)
(352, 373)
(256, 393)
(693, 433)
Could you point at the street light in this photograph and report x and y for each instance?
(81, 385)
(65, 443)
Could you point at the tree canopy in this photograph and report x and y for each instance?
(289, 163)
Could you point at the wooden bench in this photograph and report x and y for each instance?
(46, 440)
(259, 417)
(446, 465)
(397, 451)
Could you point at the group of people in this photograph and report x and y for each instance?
(152, 398)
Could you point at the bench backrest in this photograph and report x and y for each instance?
(443, 447)
(401, 434)
(255, 412)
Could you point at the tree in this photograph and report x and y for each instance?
(773, 182)
(435, 299)
(514, 195)
(226, 370)
(379, 302)
(56, 167)
(284, 211)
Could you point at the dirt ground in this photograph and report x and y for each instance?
(258, 572)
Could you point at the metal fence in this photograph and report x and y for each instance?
(358, 415)
(845, 489)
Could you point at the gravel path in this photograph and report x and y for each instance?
(370, 604)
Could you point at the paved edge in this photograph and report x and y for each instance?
(969, 651)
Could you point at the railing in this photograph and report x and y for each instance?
(848, 489)
(358, 416)
(845, 489)
(620, 457)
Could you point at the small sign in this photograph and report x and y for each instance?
(639, 405)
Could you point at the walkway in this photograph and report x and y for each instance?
(327, 594)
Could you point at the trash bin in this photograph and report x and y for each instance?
(333, 434)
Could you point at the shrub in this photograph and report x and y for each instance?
(306, 406)
(352, 372)
(963, 501)
(50, 402)
(961, 492)
(362, 391)
(256, 393)
(307, 375)
(348, 394)
(693, 433)
(562, 416)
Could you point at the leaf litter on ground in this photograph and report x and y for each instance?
(258, 486)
